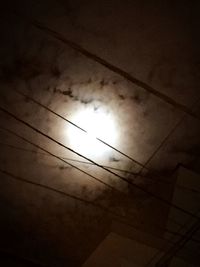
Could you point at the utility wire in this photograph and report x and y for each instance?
(109, 167)
(69, 159)
(144, 166)
(141, 86)
(78, 127)
(50, 154)
(167, 257)
(61, 193)
(166, 202)
(89, 163)
(96, 205)
(108, 65)
(175, 233)
(182, 226)
(61, 159)
(26, 140)
(113, 68)
(164, 141)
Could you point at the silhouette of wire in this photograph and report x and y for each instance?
(50, 154)
(169, 134)
(138, 174)
(109, 167)
(26, 140)
(107, 65)
(168, 255)
(78, 127)
(61, 192)
(166, 202)
(69, 159)
(61, 159)
(182, 226)
(88, 202)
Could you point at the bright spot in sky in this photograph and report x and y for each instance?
(97, 124)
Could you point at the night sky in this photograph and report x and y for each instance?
(127, 72)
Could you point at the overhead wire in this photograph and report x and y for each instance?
(51, 154)
(140, 188)
(118, 217)
(81, 129)
(167, 257)
(69, 159)
(101, 61)
(144, 166)
(182, 226)
(164, 141)
(150, 90)
(169, 134)
(120, 72)
(125, 75)
(30, 142)
(78, 127)
(60, 192)
(165, 181)
(106, 64)
(61, 159)
(185, 188)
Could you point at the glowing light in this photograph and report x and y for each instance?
(97, 124)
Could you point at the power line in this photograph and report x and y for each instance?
(168, 136)
(190, 114)
(174, 233)
(182, 226)
(135, 161)
(162, 143)
(61, 193)
(108, 65)
(65, 194)
(88, 163)
(165, 259)
(78, 127)
(69, 159)
(194, 191)
(117, 70)
(96, 205)
(26, 140)
(166, 202)
(61, 159)
(50, 154)
(144, 166)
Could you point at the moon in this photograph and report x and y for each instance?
(98, 124)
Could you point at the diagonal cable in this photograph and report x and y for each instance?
(78, 127)
(185, 188)
(182, 236)
(61, 159)
(166, 202)
(108, 65)
(120, 218)
(49, 153)
(167, 257)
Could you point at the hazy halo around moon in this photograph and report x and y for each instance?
(98, 124)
